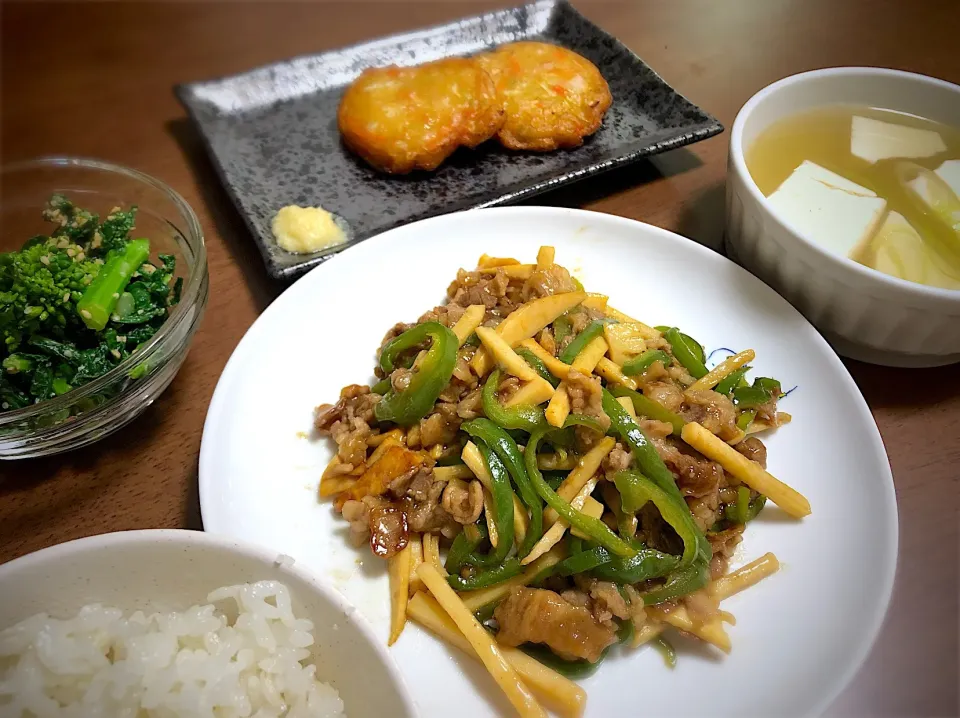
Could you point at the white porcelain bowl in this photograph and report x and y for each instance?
(863, 313)
(167, 570)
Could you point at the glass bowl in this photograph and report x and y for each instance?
(100, 407)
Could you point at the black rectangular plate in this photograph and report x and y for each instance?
(273, 133)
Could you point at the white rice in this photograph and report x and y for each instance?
(243, 657)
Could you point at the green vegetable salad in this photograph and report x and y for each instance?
(76, 302)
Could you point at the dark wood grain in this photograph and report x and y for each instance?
(95, 80)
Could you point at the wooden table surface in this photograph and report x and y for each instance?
(96, 80)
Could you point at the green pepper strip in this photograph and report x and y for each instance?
(554, 478)
(584, 561)
(490, 577)
(749, 513)
(745, 419)
(645, 406)
(462, 547)
(668, 652)
(648, 461)
(525, 417)
(694, 346)
(538, 366)
(594, 528)
(382, 386)
(627, 529)
(731, 381)
(743, 504)
(502, 509)
(639, 364)
(680, 583)
(509, 453)
(561, 328)
(648, 563)
(485, 613)
(573, 670)
(636, 490)
(589, 333)
(765, 382)
(684, 354)
(428, 380)
(583, 420)
(755, 508)
(749, 397)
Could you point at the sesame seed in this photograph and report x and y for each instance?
(66, 297)
(45, 259)
(80, 256)
(71, 251)
(116, 354)
(116, 295)
(85, 314)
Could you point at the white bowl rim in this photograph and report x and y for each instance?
(894, 284)
(188, 537)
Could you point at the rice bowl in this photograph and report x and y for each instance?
(181, 623)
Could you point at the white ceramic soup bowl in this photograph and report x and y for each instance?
(168, 570)
(863, 313)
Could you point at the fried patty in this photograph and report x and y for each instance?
(400, 119)
(553, 97)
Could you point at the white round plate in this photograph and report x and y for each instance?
(800, 635)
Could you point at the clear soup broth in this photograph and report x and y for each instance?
(911, 163)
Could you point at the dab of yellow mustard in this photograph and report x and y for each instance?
(303, 230)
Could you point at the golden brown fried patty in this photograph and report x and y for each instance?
(553, 97)
(401, 119)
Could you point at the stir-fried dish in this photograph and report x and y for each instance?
(548, 477)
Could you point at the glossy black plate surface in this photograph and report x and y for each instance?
(272, 132)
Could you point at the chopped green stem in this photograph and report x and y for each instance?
(100, 298)
(17, 363)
